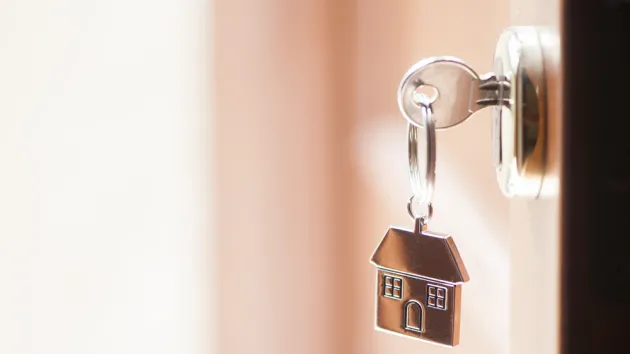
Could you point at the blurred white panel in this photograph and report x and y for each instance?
(103, 198)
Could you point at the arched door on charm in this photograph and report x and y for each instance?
(414, 316)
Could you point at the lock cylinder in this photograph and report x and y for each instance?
(519, 121)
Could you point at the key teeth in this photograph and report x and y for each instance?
(492, 89)
(492, 102)
(494, 85)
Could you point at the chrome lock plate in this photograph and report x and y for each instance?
(519, 123)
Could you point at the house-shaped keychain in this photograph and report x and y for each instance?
(419, 285)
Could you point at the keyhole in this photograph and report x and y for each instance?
(425, 95)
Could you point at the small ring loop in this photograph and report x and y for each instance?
(422, 182)
(424, 218)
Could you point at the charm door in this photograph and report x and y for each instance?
(414, 316)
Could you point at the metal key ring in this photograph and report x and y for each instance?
(422, 182)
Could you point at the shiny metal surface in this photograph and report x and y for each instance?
(420, 274)
(422, 178)
(457, 91)
(424, 217)
(419, 281)
(519, 123)
(516, 91)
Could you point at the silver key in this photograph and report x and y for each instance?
(453, 89)
(516, 90)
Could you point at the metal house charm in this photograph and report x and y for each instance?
(419, 285)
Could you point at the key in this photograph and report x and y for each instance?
(453, 89)
(420, 274)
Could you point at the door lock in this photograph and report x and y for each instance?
(516, 92)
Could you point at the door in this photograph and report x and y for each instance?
(534, 225)
(414, 316)
(569, 271)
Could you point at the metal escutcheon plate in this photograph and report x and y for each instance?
(519, 125)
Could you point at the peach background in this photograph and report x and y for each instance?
(311, 170)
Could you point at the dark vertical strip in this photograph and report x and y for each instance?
(595, 203)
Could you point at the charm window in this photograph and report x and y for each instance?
(436, 297)
(392, 287)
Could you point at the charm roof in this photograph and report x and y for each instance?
(422, 254)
